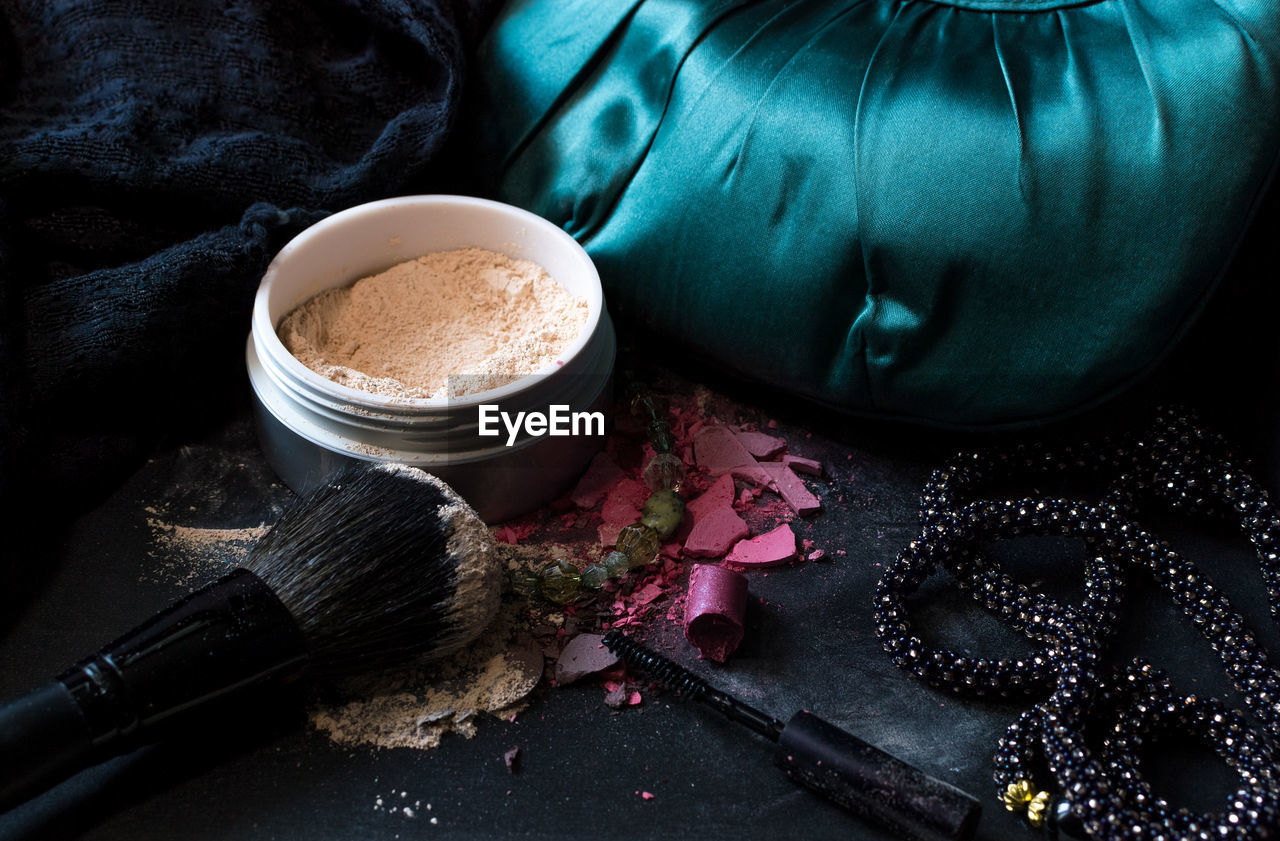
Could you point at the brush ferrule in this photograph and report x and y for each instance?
(232, 635)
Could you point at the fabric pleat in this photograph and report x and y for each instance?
(967, 213)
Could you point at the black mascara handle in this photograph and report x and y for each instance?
(44, 739)
(874, 784)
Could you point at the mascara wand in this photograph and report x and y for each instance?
(838, 765)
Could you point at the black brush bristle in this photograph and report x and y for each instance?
(381, 566)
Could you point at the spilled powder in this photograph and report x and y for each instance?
(446, 324)
(413, 708)
(416, 708)
(191, 557)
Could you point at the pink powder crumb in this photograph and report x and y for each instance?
(646, 795)
(803, 465)
(719, 495)
(817, 555)
(715, 533)
(769, 549)
(751, 473)
(621, 508)
(648, 593)
(760, 445)
(718, 451)
(623, 501)
(514, 532)
(791, 488)
(608, 533)
(601, 475)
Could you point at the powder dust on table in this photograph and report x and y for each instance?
(192, 557)
(415, 709)
(446, 324)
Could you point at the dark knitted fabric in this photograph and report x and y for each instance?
(153, 157)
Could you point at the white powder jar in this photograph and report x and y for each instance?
(310, 426)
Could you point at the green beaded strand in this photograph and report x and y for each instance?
(663, 511)
(637, 544)
(560, 582)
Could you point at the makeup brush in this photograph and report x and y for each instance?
(838, 765)
(378, 568)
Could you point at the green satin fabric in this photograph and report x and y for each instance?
(922, 210)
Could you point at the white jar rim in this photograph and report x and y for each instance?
(362, 233)
(306, 419)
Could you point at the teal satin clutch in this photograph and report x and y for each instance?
(967, 214)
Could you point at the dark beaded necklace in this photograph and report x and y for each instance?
(1100, 793)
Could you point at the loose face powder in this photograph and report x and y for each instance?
(447, 324)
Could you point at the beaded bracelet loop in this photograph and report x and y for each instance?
(1102, 795)
(951, 542)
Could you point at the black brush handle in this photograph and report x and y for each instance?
(227, 638)
(874, 784)
(44, 739)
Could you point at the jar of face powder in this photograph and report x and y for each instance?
(485, 440)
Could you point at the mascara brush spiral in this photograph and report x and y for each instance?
(377, 568)
(670, 675)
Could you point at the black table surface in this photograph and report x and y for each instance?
(810, 644)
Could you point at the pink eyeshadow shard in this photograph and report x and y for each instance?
(714, 611)
(718, 450)
(601, 475)
(791, 488)
(803, 465)
(752, 473)
(623, 501)
(583, 655)
(621, 508)
(648, 593)
(719, 495)
(608, 533)
(769, 549)
(714, 533)
(760, 445)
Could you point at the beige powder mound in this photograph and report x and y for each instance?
(414, 709)
(447, 324)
